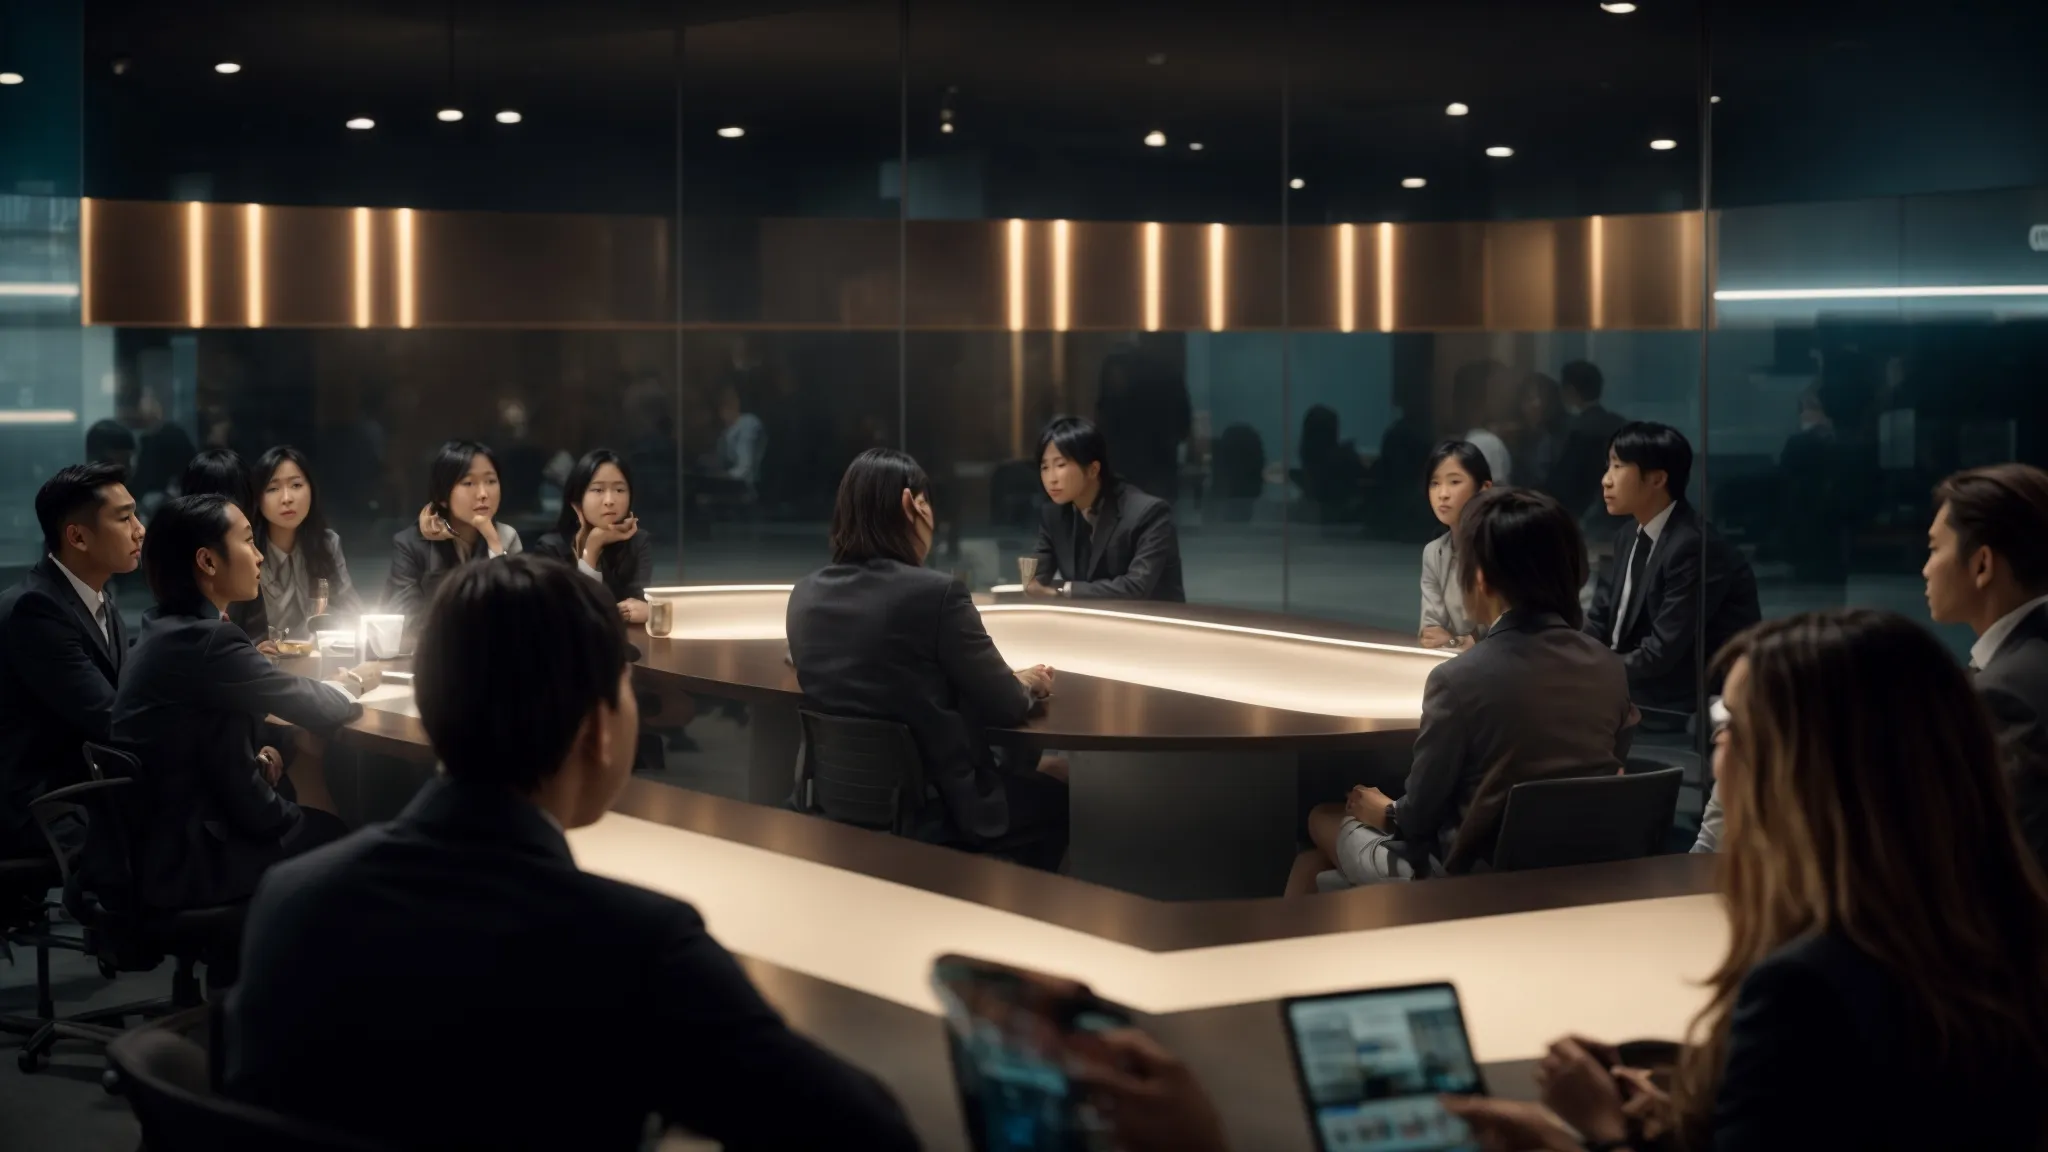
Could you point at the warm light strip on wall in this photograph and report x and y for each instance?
(1219, 254)
(1937, 292)
(1384, 252)
(1596, 264)
(252, 253)
(84, 287)
(40, 288)
(1347, 278)
(407, 316)
(38, 416)
(1062, 282)
(195, 264)
(1152, 277)
(362, 267)
(1014, 265)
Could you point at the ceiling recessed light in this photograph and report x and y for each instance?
(1155, 139)
(1663, 145)
(1194, 145)
(362, 123)
(947, 127)
(1297, 183)
(732, 132)
(1713, 99)
(10, 77)
(1456, 109)
(1500, 151)
(448, 115)
(1619, 8)
(1414, 182)
(227, 67)
(508, 116)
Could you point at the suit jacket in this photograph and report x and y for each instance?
(2014, 687)
(1534, 700)
(418, 565)
(342, 599)
(1133, 553)
(1691, 570)
(633, 562)
(1822, 1054)
(887, 641)
(470, 903)
(191, 708)
(57, 677)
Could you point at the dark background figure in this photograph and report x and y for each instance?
(1398, 508)
(523, 462)
(1331, 476)
(1540, 432)
(1575, 478)
(217, 472)
(109, 442)
(1142, 407)
(162, 450)
(1482, 401)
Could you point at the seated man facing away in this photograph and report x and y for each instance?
(1669, 568)
(1535, 699)
(452, 979)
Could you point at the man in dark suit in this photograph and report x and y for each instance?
(61, 642)
(1669, 568)
(467, 915)
(1535, 699)
(1100, 538)
(1987, 567)
(1575, 478)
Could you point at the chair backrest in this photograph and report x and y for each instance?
(862, 772)
(104, 763)
(1590, 820)
(164, 1076)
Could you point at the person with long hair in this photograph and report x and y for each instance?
(1886, 979)
(299, 550)
(876, 634)
(1457, 471)
(1100, 538)
(456, 527)
(599, 534)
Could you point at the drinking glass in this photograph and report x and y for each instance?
(661, 617)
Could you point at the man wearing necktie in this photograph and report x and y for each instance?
(1669, 570)
(61, 642)
(1987, 567)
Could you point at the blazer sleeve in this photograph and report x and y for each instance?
(1790, 1067)
(1674, 618)
(1710, 826)
(1048, 556)
(402, 591)
(641, 554)
(988, 688)
(746, 1079)
(1157, 545)
(236, 678)
(1435, 612)
(1606, 590)
(54, 661)
(1433, 773)
(2023, 742)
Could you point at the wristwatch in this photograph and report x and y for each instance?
(1393, 817)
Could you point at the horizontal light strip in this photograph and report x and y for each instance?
(40, 416)
(686, 589)
(20, 288)
(1007, 589)
(1238, 628)
(1932, 292)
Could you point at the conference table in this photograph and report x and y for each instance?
(1184, 727)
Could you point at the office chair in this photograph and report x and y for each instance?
(25, 922)
(165, 1077)
(99, 893)
(861, 772)
(1588, 820)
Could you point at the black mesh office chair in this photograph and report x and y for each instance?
(124, 936)
(861, 772)
(165, 1076)
(25, 883)
(1589, 820)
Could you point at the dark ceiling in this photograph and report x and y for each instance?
(1051, 100)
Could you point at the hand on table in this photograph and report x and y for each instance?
(1041, 591)
(633, 611)
(269, 648)
(1037, 678)
(1512, 1125)
(361, 678)
(1152, 1101)
(1578, 1082)
(271, 761)
(1368, 806)
(1435, 637)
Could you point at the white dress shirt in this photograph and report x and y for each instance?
(95, 600)
(1993, 638)
(1653, 529)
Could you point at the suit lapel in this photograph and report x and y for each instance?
(2033, 624)
(1105, 527)
(58, 585)
(1660, 551)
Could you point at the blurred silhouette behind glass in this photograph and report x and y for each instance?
(1142, 407)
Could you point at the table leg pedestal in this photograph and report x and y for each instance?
(1183, 825)
(774, 734)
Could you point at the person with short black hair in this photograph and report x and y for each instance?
(110, 442)
(62, 643)
(1100, 538)
(1987, 567)
(192, 709)
(217, 472)
(456, 527)
(876, 634)
(1535, 699)
(523, 686)
(1457, 471)
(1575, 478)
(598, 533)
(1668, 569)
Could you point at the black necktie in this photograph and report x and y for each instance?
(1638, 559)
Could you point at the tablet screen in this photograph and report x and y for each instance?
(1372, 1065)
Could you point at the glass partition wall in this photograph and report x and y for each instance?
(1276, 250)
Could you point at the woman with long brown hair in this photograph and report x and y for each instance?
(1886, 982)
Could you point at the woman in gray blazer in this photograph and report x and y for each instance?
(1457, 471)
